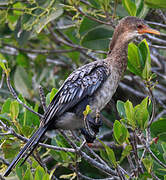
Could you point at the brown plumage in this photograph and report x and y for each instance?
(92, 84)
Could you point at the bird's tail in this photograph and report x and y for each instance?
(27, 150)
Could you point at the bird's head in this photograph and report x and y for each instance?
(133, 27)
(129, 28)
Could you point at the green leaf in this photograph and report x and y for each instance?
(26, 130)
(134, 63)
(141, 114)
(64, 157)
(87, 25)
(10, 148)
(14, 110)
(22, 82)
(120, 132)
(121, 109)
(21, 35)
(53, 92)
(20, 170)
(5, 117)
(23, 60)
(2, 62)
(139, 6)
(147, 69)
(95, 3)
(96, 39)
(6, 106)
(110, 153)
(46, 177)
(28, 175)
(49, 16)
(126, 152)
(158, 128)
(39, 173)
(148, 163)
(142, 9)
(130, 113)
(156, 4)
(130, 6)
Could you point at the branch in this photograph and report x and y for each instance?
(158, 47)
(17, 98)
(79, 48)
(157, 24)
(42, 98)
(95, 163)
(154, 157)
(94, 19)
(40, 51)
(159, 115)
(161, 14)
(155, 39)
(8, 8)
(24, 139)
(2, 79)
(153, 107)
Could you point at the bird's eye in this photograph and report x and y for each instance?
(139, 26)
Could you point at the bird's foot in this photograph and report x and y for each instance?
(88, 137)
(92, 126)
(95, 123)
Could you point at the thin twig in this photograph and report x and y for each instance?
(153, 106)
(42, 98)
(17, 98)
(4, 161)
(94, 19)
(24, 139)
(93, 162)
(159, 115)
(156, 23)
(40, 51)
(2, 79)
(154, 157)
(15, 9)
(158, 47)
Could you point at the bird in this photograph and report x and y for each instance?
(92, 84)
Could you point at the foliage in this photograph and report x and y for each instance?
(41, 43)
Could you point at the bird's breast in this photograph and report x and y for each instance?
(105, 93)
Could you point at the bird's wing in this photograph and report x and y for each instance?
(81, 83)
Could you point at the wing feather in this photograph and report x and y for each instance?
(80, 84)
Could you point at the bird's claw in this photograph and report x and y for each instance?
(92, 126)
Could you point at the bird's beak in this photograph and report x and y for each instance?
(147, 29)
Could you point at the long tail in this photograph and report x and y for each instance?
(27, 149)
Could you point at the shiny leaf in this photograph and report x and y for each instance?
(156, 4)
(130, 7)
(141, 114)
(120, 132)
(14, 110)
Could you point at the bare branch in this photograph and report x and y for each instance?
(17, 98)
(94, 19)
(159, 115)
(2, 79)
(156, 23)
(40, 51)
(42, 98)
(95, 163)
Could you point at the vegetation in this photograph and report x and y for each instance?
(41, 43)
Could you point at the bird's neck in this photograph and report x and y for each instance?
(117, 55)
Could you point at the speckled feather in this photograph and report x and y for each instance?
(82, 83)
